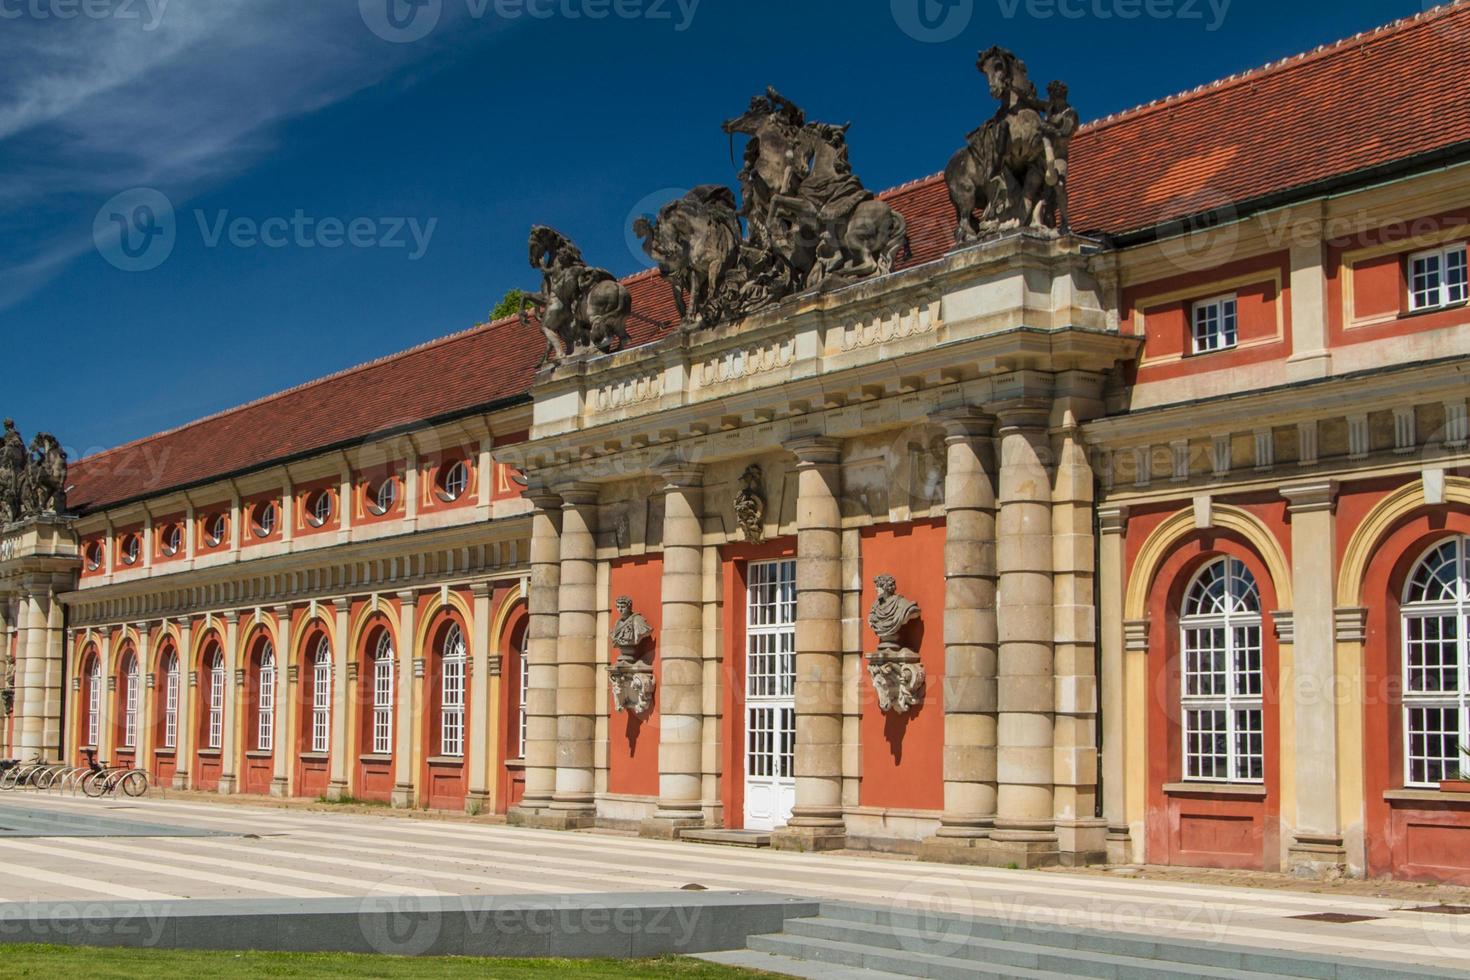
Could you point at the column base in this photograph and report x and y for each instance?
(403, 797)
(279, 788)
(1082, 842)
(666, 824)
(554, 820)
(811, 833)
(477, 803)
(226, 786)
(337, 792)
(180, 781)
(1317, 856)
(1119, 844)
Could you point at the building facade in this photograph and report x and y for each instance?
(1148, 541)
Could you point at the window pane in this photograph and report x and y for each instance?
(1206, 745)
(1454, 276)
(1424, 282)
(1249, 746)
(1433, 741)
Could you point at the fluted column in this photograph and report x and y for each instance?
(573, 804)
(970, 640)
(337, 784)
(477, 800)
(1024, 832)
(541, 641)
(184, 739)
(230, 742)
(283, 742)
(405, 725)
(817, 819)
(680, 689)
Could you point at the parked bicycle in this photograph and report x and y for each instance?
(95, 779)
(103, 780)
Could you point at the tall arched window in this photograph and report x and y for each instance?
(1436, 622)
(383, 695)
(451, 694)
(1221, 701)
(217, 700)
(94, 702)
(171, 701)
(321, 697)
(130, 703)
(265, 716)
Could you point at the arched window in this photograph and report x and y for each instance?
(266, 703)
(94, 702)
(130, 703)
(451, 695)
(1436, 622)
(171, 702)
(383, 695)
(321, 698)
(217, 700)
(1222, 701)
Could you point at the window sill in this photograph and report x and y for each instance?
(209, 753)
(446, 760)
(315, 756)
(515, 765)
(375, 758)
(169, 752)
(1425, 796)
(260, 754)
(1229, 790)
(1430, 310)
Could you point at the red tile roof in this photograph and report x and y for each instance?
(1382, 97)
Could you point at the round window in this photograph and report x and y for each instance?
(265, 520)
(218, 527)
(132, 548)
(94, 556)
(173, 540)
(454, 480)
(383, 496)
(319, 508)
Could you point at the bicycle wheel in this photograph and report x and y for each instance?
(95, 784)
(134, 783)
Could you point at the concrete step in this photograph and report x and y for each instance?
(729, 838)
(904, 964)
(994, 953)
(788, 966)
(893, 927)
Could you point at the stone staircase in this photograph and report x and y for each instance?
(849, 942)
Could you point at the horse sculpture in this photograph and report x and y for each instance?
(696, 243)
(43, 490)
(579, 308)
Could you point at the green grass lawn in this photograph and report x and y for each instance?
(129, 964)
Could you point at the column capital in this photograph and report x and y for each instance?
(542, 496)
(231, 616)
(1304, 498)
(577, 494)
(815, 450)
(680, 476)
(342, 603)
(407, 596)
(481, 590)
(964, 422)
(1023, 413)
(1112, 519)
(282, 611)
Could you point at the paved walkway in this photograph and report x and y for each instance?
(286, 854)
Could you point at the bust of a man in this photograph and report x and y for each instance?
(891, 613)
(630, 630)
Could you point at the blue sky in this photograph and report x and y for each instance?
(341, 188)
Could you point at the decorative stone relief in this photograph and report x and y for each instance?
(631, 678)
(750, 505)
(898, 676)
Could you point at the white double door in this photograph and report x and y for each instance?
(770, 688)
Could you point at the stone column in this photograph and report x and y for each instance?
(284, 745)
(1081, 833)
(1025, 829)
(341, 697)
(143, 744)
(817, 819)
(405, 725)
(184, 742)
(10, 726)
(1317, 834)
(54, 670)
(1111, 577)
(541, 642)
(105, 740)
(680, 690)
(574, 804)
(970, 642)
(477, 730)
(230, 742)
(35, 607)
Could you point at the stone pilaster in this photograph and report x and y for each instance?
(1317, 845)
(541, 642)
(405, 725)
(817, 821)
(341, 698)
(970, 640)
(1081, 833)
(105, 722)
(1025, 826)
(477, 800)
(148, 692)
(574, 804)
(184, 741)
(1111, 577)
(284, 747)
(680, 645)
(234, 690)
(7, 650)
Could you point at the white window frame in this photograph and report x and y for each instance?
(383, 668)
(171, 702)
(320, 509)
(217, 701)
(1231, 689)
(265, 715)
(385, 497)
(94, 702)
(456, 480)
(265, 520)
(1226, 317)
(321, 698)
(132, 550)
(1425, 768)
(173, 540)
(770, 673)
(219, 528)
(130, 705)
(1443, 292)
(452, 694)
(524, 683)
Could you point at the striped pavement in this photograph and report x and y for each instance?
(295, 854)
